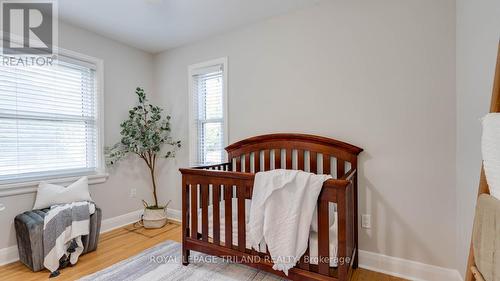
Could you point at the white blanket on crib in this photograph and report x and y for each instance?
(283, 203)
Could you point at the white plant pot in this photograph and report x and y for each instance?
(154, 218)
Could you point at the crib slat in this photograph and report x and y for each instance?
(267, 160)
(241, 218)
(304, 260)
(238, 164)
(300, 159)
(340, 168)
(185, 219)
(256, 160)
(194, 211)
(288, 159)
(327, 170)
(323, 238)
(247, 162)
(313, 162)
(204, 211)
(343, 268)
(216, 213)
(277, 158)
(228, 200)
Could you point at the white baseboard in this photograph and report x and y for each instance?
(119, 221)
(406, 269)
(10, 254)
(174, 215)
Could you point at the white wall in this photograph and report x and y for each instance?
(125, 68)
(478, 30)
(377, 74)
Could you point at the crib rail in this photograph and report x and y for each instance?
(204, 186)
(219, 167)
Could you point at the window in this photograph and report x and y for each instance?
(208, 114)
(50, 122)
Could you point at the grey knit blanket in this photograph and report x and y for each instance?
(63, 227)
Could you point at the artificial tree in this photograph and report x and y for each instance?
(144, 133)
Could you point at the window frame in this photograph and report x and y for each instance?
(29, 185)
(192, 110)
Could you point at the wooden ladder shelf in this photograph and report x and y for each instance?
(472, 274)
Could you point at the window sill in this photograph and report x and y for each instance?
(26, 187)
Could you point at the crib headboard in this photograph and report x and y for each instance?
(293, 151)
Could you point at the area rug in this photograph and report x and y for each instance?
(163, 262)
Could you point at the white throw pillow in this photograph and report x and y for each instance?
(51, 194)
(490, 145)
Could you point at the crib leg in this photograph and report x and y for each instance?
(185, 257)
(356, 259)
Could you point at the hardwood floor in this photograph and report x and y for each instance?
(125, 242)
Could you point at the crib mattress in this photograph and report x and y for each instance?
(313, 237)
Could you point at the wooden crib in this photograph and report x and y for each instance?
(202, 186)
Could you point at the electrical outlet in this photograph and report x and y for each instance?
(366, 221)
(133, 192)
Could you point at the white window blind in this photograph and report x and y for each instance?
(209, 117)
(48, 121)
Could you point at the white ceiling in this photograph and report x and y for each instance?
(157, 25)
